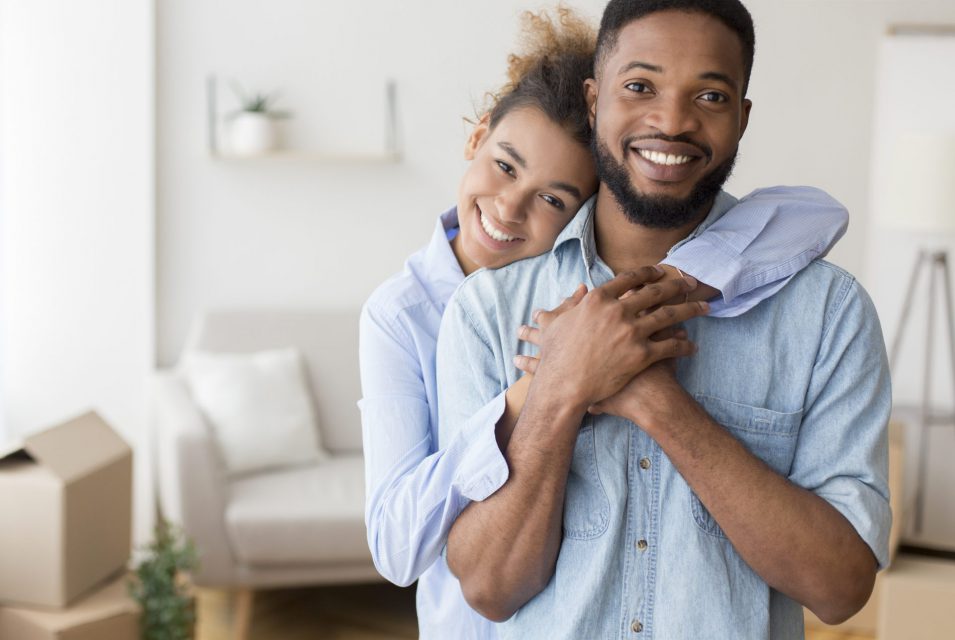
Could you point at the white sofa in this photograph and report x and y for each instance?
(303, 525)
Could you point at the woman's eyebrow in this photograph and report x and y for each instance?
(511, 151)
(569, 188)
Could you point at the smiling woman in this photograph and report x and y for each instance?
(530, 173)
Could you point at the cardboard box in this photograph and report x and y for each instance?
(866, 620)
(66, 500)
(106, 614)
(918, 600)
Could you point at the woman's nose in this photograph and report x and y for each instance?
(511, 206)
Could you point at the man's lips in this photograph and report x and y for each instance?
(665, 160)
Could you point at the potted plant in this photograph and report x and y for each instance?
(252, 128)
(161, 586)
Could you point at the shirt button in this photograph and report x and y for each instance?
(636, 626)
(642, 545)
(644, 463)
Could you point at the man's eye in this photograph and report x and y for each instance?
(714, 96)
(506, 168)
(636, 87)
(555, 202)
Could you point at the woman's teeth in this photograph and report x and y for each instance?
(494, 233)
(657, 157)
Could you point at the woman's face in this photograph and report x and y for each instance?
(527, 179)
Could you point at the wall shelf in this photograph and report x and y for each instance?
(390, 154)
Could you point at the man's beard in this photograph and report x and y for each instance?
(657, 212)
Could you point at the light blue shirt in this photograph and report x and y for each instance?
(415, 489)
(801, 379)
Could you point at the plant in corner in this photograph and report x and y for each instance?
(252, 128)
(161, 586)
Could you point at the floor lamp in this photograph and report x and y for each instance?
(921, 197)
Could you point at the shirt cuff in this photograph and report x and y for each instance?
(710, 263)
(865, 509)
(482, 470)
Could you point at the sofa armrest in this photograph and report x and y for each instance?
(193, 489)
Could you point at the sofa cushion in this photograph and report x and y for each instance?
(258, 406)
(303, 515)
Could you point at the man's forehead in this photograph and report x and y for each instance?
(667, 36)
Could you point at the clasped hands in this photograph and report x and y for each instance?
(609, 349)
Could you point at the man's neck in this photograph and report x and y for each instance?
(624, 245)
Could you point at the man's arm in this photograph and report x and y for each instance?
(800, 541)
(504, 548)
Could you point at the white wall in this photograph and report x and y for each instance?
(305, 234)
(76, 147)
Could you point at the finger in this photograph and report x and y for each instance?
(665, 334)
(530, 334)
(595, 409)
(670, 315)
(527, 364)
(544, 317)
(671, 348)
(629, 280)
(656, 293)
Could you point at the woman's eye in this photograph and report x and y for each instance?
(637, 87)
(557, 203)
(714, 96)
(506, 168)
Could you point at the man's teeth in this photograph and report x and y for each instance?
(656, 157)
(494, 233)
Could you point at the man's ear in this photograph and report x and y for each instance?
(477, 137)
(744, 116)
(590, 94)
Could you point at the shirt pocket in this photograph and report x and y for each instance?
(586, 506)
(767, 434)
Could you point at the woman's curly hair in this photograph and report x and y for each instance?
(557, 57)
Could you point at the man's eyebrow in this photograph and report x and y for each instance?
(569, 188)
(719, 77)
(511, 151)
(636, 64)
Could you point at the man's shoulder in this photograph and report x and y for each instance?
(514, 279)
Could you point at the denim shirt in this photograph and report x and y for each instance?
(800, 379)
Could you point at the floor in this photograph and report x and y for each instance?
(360, 612)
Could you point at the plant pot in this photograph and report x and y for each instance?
(252, 134)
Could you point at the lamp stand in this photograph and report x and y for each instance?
(939, 275)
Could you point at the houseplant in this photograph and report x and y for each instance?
(161, 586)
(252, 128)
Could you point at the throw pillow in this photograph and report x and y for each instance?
(258, 406)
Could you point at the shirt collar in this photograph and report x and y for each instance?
(440, 264)
(580, 230)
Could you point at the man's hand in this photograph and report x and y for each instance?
(594, 342)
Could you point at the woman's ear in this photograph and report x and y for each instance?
(477, 137)
(590, 95)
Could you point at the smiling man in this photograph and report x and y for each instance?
(706, 498)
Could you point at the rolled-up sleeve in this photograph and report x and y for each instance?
(753, 249)
(414, 489)
(842, 454)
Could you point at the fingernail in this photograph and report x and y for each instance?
(690, 280)
(535, 315)
(517, 360)
(658, 269)
(705, 306)
(522, 331)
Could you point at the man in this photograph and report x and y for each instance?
(705, 500)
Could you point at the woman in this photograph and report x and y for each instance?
(530, 172)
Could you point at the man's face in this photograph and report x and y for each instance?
(668, 114)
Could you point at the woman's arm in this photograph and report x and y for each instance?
(413, 491)
(753, 250)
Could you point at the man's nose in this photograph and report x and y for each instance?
(673, 116)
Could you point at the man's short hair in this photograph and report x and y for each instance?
(620, 13)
